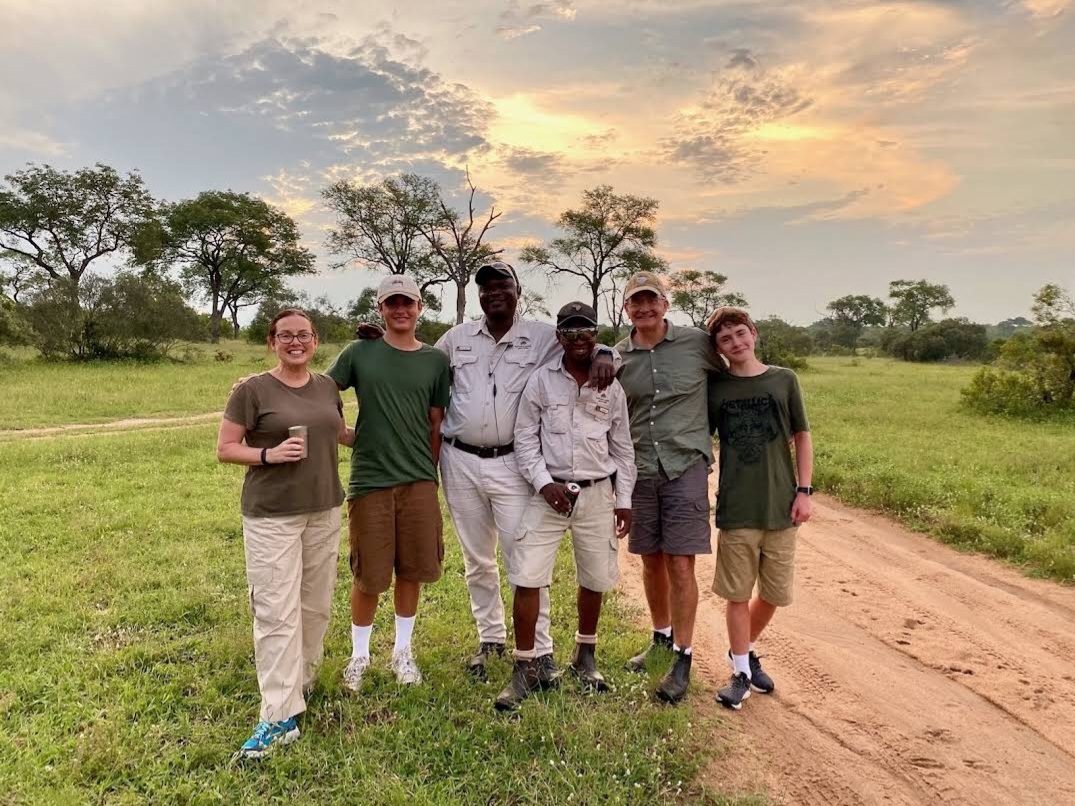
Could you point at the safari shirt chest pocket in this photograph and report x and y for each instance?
(466, 375)
(596, 419)
(519, 364)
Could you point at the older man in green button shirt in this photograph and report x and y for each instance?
(665, 373)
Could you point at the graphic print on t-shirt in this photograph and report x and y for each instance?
(749, 424)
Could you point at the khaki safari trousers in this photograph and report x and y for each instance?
(291, 572)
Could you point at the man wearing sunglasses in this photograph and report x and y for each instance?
(573, 444)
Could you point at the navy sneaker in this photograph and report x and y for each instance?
(737, 690)
(759, 680)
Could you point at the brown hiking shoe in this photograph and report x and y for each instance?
(524, 681)
(548, 672)
(486, 650)
(673, 686)
(584, 667)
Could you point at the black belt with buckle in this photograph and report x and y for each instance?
(481, 452)
(586, 483)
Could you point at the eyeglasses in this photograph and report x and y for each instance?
(578, 333)
(303, 337)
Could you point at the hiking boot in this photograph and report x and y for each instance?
(737, 690)
(660, 642)
(584, 667)
(759, 680)
(352, 673)
(407, 672)
(548, 672)
(268, 735)
(524, 681)
(476, 665)
(673, 686)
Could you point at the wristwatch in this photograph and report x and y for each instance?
(807, 490)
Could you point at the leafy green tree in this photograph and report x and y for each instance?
(14, 329)
(60, 222)
(383, 226)
(851, 315)
(699, 293)
(607, 234)
(231, 248)
(940, 341)
(914, 300)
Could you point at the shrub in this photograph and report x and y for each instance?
(783, 344)
(127, 316)
(941, 341)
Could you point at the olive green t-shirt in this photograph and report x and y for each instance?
(755, 419)
(395, 391)
(266, 407)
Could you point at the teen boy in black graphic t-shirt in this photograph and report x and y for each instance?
(764, 494)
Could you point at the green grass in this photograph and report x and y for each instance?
(894, 437)
(40, 393)
(126, 670)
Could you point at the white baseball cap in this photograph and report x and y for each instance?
(401, 284)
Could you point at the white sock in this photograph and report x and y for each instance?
(665, 631)
(742, 664)
(360, 641)
(404, 628)
(686, 650)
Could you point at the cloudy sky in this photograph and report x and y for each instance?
(805, 149)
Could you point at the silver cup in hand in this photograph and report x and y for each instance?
(300, 431)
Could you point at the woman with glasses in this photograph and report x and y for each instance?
(285, 425)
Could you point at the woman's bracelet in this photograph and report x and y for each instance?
(264, 458)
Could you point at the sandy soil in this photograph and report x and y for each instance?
(906, 672)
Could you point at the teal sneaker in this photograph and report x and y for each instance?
(267, 735)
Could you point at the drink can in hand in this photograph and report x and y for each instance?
(300, 431)
(573, 491)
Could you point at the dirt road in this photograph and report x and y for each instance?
(907, 673)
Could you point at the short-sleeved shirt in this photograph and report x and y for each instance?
(395, 391)
(755, 419)
(574, 433)
(267, 408)
(666, 395)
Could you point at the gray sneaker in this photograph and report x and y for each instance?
(352, 673)
(407, 672)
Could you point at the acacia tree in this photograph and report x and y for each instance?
(851, 314)
(458, 243)
(383, 226)
(699, 293)
(60, 222)
(914, 300)
(609, 232)
(231, 248)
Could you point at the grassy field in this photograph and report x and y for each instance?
(126, 670)
(38, 393)
(893, 436)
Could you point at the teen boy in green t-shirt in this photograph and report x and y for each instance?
(764, 494)
(394, 519)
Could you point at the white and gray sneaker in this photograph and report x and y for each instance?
(352, 674)
(407, 672)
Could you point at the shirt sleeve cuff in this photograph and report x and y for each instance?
(541, 478)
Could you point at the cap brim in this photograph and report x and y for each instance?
(655, 291)
(486, 273)
(576, 318)
(406, 294)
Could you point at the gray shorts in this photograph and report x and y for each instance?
(672, 516)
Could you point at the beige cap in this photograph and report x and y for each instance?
(645, 281)
(398, 284)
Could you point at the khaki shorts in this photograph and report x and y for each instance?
(593, 539)
(746, 556)
(398, 530)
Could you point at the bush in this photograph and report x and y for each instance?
(783, 344)
(14, 329)
(996, 392)
(943, 341)
(126, 316)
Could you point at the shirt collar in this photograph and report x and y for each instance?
(669, 336)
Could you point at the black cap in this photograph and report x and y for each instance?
(493, 269)
(576, 310)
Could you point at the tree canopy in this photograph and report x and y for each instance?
(60, 222)
(914, 300)
(698, 293)
(231, 248)
(609, 233)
